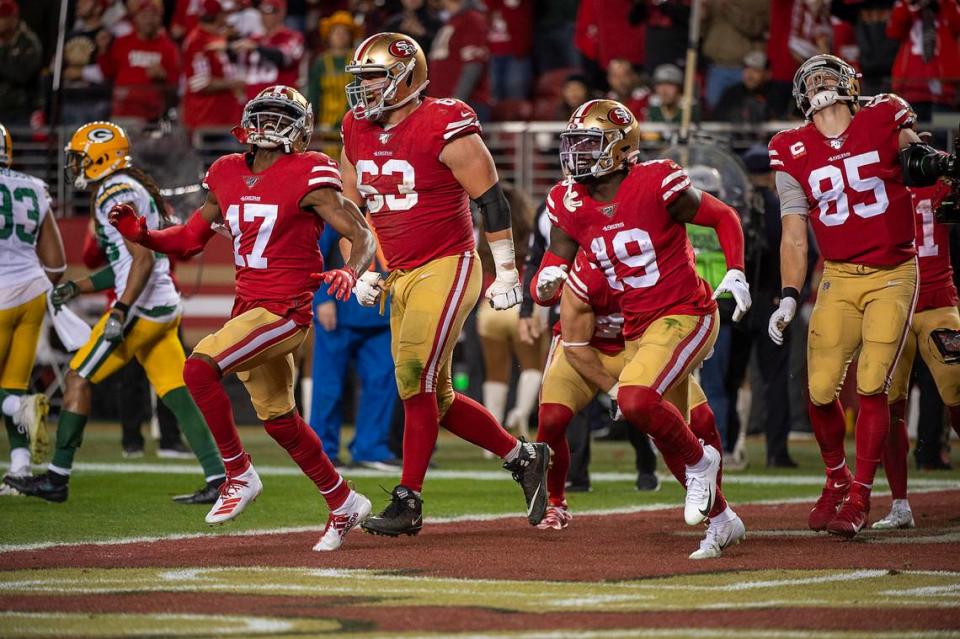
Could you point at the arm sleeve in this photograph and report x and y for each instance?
(793, 201)
(725, 221)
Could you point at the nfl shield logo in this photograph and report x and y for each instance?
(384, 137)
(836, 143)
(251, 180)
(609, 210)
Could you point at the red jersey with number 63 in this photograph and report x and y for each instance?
(274, 240)
(644, 254)
(933, 249)
(588, 283)
(418, 208)
(860, 210)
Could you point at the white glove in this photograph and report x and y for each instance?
(367, 289)
(735, 283)
(781, 318)
(505, 291)
(550, 280)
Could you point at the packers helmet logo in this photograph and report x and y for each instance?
(401, 49)
(100, 135)
(619, 116)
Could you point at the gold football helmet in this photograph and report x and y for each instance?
(6, 147)
(823, 80)
(278, 117)
(600, 138)
(390, 69)
(96, 150)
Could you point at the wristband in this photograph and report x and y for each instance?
(789, 291)
(120, 306)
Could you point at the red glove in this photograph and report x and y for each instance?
(341, 281)
(131, 226)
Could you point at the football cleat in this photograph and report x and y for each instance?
(235, 494)
(39, 486)
(402, 516)
(900, 517)
(647, 482)
(529, 469)
(557, 518)
(338, 526)
(852, 515)
(719, 537)
(6, 490)
(206, 495)
(830, 498)
(702, 488)
(31, 420)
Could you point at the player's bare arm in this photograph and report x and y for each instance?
(348, 175)
(182, 240)
(473, 167)
(577, 325)
(793, 272)
(50, 249)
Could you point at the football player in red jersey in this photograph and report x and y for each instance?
(274, 201)
(586, 357)
(846, 170)
(415, 162)
(630, 218)
(936, 309)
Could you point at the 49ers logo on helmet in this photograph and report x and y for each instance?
(401, 48)
(619, 115)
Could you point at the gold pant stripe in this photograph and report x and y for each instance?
(428, 379)
(687, 350)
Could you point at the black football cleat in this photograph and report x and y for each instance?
(402, 516)
(206, 495)
(529, 469)
(39, 486)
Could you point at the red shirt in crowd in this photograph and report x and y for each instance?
(511, 27)
(782, 63)
(205, 59)
(935, 79)
(186, 15)
(604, 33)
(262, 72)
(462, 40)
(135, 93)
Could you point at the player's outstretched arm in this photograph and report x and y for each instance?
(182, 240)
(346, 219)
(473, 167)
(50, 249)
(546, 284)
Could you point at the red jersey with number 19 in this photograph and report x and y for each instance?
(860, 210)
(644, 254)
(418, 208)
(275, 246)
(933, 250)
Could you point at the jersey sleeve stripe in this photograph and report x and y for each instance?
(329, 169)
(552, 217)
(578, 293)
(670, 178)
(325, 180)
(676, 189)
(460, 123)
(454, 132)
(775, 162)
(576, 283)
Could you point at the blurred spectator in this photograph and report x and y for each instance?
(144, 65)
(511, 42)
(213, 93)
(667, 94)
(20, 62)
(460, 56)
(326, 86)
(186, 15)
(927, 68)
(667, 26)
(243, 19)
(877, 51)
(782, 63)
(416, 20)
(604, 33)
(746, 102)
(85, 95)
(575, 92)
(625, 87)
(731, 30)
(554, 22)
(810, 29)
(274, 57)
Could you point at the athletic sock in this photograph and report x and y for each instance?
(10, 401)
(421, 425)
(495, 399)
(69, 437)
(647, 411)
(12, 397)
(873, 424)
(195, 430)
(552, 430)
(470, 421)
(723, 515)
(895, 451)
(208, 393)
(829, 428)
(19, 461)
(703, 423)
(304, 447)
(347, 505)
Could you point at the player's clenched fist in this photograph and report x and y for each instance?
(505, 291)
(341, 281)
(125, 219)
(549, 281)
(781, 318)
(368, 288)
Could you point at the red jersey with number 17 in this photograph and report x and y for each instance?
(644, 254)
(860, 210)
(589, 285)
(417, 206)
(274, 240)
(933, 249)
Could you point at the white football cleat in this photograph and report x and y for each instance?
(31, 420)
(235, 494)
(900, 517)
(557, 518)
(702, 488)
(339, 525)
(720, 536)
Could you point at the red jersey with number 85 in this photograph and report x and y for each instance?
(933, 249)
(644, 254)
(860, 210)
(274, 240)
(417, 206)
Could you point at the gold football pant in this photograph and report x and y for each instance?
(19, 334)
(946, 376)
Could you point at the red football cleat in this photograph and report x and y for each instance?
(852, 515)
(826, 507)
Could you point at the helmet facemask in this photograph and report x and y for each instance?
(817, 87)
(76, 168)
(271, 122)
(588, 153)
(369, 100)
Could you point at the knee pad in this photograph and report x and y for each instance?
(408, 374)
(823, 388)
(198, 374)
(872, 377)
(640, 405)
(553, 419)
(703, 422)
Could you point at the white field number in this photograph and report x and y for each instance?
(251, 213)
(836, 194)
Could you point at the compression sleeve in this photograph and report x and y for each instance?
(549, 259)
(725, 221)
(183, 240)
(793, 201)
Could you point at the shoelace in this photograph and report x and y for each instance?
(231, 486)
(712, 538)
